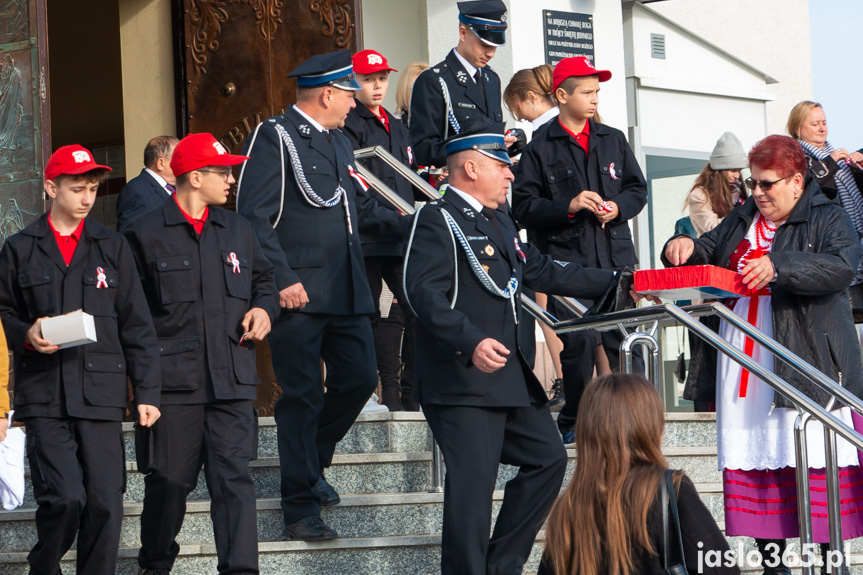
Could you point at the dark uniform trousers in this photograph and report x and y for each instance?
(221, 437)
(554, 169)
(73, 400)
(319, 249)
(198, 298)
(429, 121)
(76, 492)
(481, 420)
(383, 255)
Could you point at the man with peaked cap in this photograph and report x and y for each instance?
(463, 88)
(480, 397)
(301, 192)
(212, 295)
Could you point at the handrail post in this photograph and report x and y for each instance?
(804, 503)
(648, 342)
(437, 468)
(834, 505)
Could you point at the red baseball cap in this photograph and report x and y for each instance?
(369, 62)
(72, 160)
(199, 151)
(576, 66)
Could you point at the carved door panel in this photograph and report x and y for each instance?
(232, 59)
(24, 119)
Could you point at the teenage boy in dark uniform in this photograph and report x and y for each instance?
(73, 400)
(577, 186)
(212, 295)
(368, 125)
(462, 89)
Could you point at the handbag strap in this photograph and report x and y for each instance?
(672, 503)
(664, 490)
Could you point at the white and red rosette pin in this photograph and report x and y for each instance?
(101, 279)
(232, 258)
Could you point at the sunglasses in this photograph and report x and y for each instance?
(764, 184)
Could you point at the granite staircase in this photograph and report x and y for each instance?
(388, 521)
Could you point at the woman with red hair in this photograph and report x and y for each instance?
(798, 251)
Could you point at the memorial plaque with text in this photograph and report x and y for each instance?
(567, 34)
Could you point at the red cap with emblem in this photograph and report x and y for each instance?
(577, 66)
(199, 151)
(72, 160)
(369, 62)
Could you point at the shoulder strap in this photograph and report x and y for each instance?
(672, 503)
(664, 490)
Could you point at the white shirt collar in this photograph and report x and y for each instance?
(548, 115)
(159, 180)
(469, 68)
(471, 201)
(311, 120)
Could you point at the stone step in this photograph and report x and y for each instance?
(407, 432)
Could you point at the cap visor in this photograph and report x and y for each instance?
(350, 85)
(84, 169)
(497, 155)
(226, 160)
(604, 75)
(496, 38)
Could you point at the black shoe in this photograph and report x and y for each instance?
(409, 404)
(391, 398)
(772, 554)
(325, 491)
(311, 528)
(556, 400)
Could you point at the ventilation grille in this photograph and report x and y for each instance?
(657, 46)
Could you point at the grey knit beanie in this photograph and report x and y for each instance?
(728, 154)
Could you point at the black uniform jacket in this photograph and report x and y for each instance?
(198, 301)
(437, 274)
(88, 381)
(552, 171)
(305, 243)
(140, 195)
(815, 252)
(429, 124)
(365, 130)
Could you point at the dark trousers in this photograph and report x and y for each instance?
(79, 476)
(309, 422)
(222, 437)
(578, 360)
(394, 341)
(474, 441)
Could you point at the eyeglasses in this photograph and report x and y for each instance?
(764, 185)
(224, 173)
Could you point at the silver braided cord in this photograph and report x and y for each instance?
(509, 292)
(300, 176)
(451, 119)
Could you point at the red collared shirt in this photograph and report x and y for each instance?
(67, 244)
(582, 137)
(197, 224)
(382, 117)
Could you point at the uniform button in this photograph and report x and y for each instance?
(120, 366)
(551, 178)
(161, 349)
(90, 278)
(49, 277)
(89, 365)
(185, 263)
(111, 281)
(552, 237)
(189, 346)
(458, 353)
(569, 171)
(164, 265)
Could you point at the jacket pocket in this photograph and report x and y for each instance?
(105, 379)
(36, 288)
(36, 377)
(610, 180)
(99, 297)
(175, 279)
(179, 363)
(245, 366)
(237, 278)
(562, 181)
(305, 257)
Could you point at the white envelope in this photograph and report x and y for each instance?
(69, 330)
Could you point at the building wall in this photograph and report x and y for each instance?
(772, 35)
(148, 76)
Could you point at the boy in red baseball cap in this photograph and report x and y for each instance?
(212, 294)
(73, 400)
(577, 186)
(369, 125)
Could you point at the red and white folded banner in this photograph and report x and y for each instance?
(691, 282)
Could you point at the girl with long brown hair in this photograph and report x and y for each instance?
(718, 189)
(609, 519)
